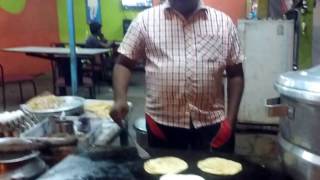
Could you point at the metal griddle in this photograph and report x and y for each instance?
(124, 164)
(251, 171)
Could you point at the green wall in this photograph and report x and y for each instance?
(112, 16)
(14, 7)
(305, 52)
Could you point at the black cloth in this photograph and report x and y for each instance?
(94, 42)
(195, 139)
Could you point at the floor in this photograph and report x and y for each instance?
(260, 147)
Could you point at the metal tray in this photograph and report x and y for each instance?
(71, 104)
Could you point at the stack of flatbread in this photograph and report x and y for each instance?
(43, 102)
(101, 109)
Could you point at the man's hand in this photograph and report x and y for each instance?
(223, 134)
(119, 111)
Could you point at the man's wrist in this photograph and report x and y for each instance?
(121, 99)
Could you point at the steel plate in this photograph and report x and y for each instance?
(18, 157)
(69, 103)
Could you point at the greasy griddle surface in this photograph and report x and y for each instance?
(124, 164)
(250, 170)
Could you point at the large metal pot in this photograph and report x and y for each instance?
(299, 109)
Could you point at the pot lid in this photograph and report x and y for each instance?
(304, 85)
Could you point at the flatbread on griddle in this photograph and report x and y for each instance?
(219, 166)
(165, 165)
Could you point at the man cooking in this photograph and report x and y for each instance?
(187, 47)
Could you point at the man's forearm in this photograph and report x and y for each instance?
(235, 90)
(121, 78)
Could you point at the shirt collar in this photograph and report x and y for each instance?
(201, 7)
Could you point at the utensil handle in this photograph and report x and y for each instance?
(13, 144)
(55, 141)
(141, 151)
(274, 108)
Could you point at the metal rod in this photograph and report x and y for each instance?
(73, 57)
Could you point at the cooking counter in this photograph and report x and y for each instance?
(90, 130)
(123, 163)
(90, 161)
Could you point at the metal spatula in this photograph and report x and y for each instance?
(143, 154)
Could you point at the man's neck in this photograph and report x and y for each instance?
(189, 14)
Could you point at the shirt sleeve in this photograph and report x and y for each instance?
(133, 43)
(235, 54)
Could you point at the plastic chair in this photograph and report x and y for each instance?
(12, 79)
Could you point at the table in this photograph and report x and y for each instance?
(57, 53)
(49, 52)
